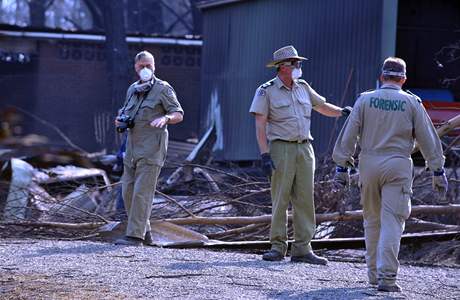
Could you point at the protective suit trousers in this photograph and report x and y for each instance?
(386, 187)
(138, 188)
(292, 181)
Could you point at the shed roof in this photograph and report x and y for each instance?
(216, 3)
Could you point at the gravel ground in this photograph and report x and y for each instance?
(47, 269)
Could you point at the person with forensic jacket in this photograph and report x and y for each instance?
(282, 108)
(151, 105)
(386, 122)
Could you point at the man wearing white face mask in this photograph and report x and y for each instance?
(151, 104)
(282, 109)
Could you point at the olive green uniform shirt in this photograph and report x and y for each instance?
(288, 110)
(145, 141)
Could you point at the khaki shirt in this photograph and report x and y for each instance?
(387, 122)
(145, 141)
(288, 111)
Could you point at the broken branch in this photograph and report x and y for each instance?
(347, 216)
(93, 225)
(177, 203)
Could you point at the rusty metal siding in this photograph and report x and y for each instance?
(343, 40)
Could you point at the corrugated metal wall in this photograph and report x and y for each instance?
(343, 40)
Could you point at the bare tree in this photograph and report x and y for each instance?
(37, 12)
(96, 10)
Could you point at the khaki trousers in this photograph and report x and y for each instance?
(138, 188)
(386, 187)
(292, 181)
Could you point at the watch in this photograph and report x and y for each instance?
(168, 118)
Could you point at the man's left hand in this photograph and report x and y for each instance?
(440, 183)
(159, 122)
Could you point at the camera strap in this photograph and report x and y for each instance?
(146, 93)
(140, 104)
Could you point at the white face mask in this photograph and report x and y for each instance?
(145, 74)
(296, 73)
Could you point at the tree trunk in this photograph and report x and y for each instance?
(37, 13)
(117, 60)
(96, 8)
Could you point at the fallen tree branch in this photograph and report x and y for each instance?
(249, 195)
(85, 212)
(208, 177)
(238, 230)
(444, 129)
(452, 144)
(236, 200)
(214, 170)
(417, 225)
(334, 243)
(251, 183)
(93, 225)
(54, 127)
(252, 234)
(177, 203)
(347, 216)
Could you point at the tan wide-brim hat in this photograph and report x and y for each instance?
(285, 53)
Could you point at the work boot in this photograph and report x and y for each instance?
(394, 288)
(372, 278)
(129, 241)
(310, 258)
(373, 281)
(148, 241)
(273, 255)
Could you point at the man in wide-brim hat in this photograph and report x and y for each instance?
(282, 109)
(284, 54)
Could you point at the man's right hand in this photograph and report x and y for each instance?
(267, 164)
(116, 122)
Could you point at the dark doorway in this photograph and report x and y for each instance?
(428, 39)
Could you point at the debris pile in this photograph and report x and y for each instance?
(66, 193)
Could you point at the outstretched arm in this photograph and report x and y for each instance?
(329, 110)
(345, 146)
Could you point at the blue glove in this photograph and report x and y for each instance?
(440, 183)
(267, 164)
(346, 111)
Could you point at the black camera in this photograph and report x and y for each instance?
(124, 122)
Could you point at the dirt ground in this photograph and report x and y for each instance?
(50, 269)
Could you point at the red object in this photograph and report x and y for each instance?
(441, 112)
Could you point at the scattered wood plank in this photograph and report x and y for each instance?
(73, 226)
(347, 216)
(336, 243)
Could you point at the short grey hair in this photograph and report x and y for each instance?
(143, 54)
(394, 68)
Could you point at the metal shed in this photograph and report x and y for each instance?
(346, 42)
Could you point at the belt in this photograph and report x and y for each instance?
(385, 152)
(294, 142)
